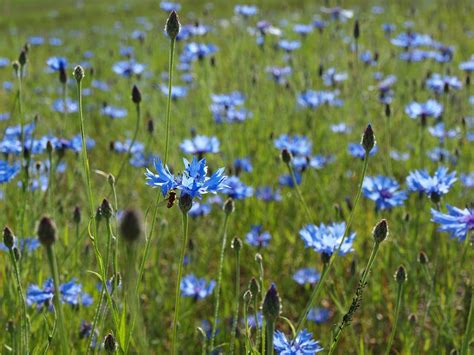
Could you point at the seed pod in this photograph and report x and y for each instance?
(401, 274)
(46, 231)
(106, 209)
(236, 244)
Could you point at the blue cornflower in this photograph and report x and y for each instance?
(430, 108)
(252, 322)
(433, 186)
(302, 29)
(319, 315)
(193, 181)
(279, 74)
(246, 10)
(467, 179)
(331, 77)
(237, 189)
(169, 6)
(314, 99)
(320, 161)
(56, 63)
(367, 58)
(412, 39)
(388, 28)
(439, 83)
(193, 51)
(338, 13)
(438, 154)
(127, 68)
(120, 147)
(467, 66)
(457, 222)
(198, 288)
(56, 42)
(101, 85)
(301, 345)
(296, 145)
(4, 62)
(71, 293)
(243, 165)
(398, 156)
(257, 237)
(36, 40)
(7, 171)
(234, 98)
(199, 209)
(306, 276)
(439, 131)
(324, 239)
(70, 105)
(113, 112)
(341, 128)
(26, 244)
(200, 145)
(75, 144)
(286, 180)
(289, 46)
(229, 115)
(384, 191)
(358, 151)
(177, 92)
(266, 193)
(4, 116)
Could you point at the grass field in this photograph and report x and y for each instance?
(121, 255)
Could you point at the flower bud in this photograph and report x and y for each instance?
(236, 244)
(131, 225)
(16, 253)
(110, 345)
(106, 209)
(173, 26)
(380, 232)
(76, 215)
(368, 139)
(16, 67)
(401, 274)
(8, 238)
(22, 58)
(136, 95)
(229, 206)
(62, 75)
(185, 203)
(356, 29)
(423, 258)
(46, 231)
(78, 73)
(271, 304)
(286, 156)
(111, 180)
(254, 287)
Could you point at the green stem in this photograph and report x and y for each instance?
(237, 300)
(177, 296)
(319, 287)
(219, 281)
(132, 143)
(269, 329)
(168, 105)
(57, 299)
(258, 329)
(362, 283)
(397, 313)
(298, 191)
(469, 326)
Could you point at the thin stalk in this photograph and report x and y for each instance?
(258, 329)
(469, 326)
(57, 299)
(25, 326)
(397, 314)
(168, 104)
(219, 281)
(327, 268)
(357, 299)
(177, 297)
(132, 143)
(260, 332)
(269, 329)
(298, 191)
(237, 300)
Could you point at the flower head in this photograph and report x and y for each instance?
(191, 286)
(430, 108)
(200, 145)
(457, 222)
(384, 191)
(257, 237)
(433, 186)
(237, 189)
(306, 276)
(302, 344)
(326, 238)
(71, 293)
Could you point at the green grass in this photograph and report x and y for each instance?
(102, 26)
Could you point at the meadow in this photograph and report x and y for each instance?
(217, 177)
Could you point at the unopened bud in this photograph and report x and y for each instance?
(423, 258)
(131, 225)
(8, 238)
(185, 202)
(110, 345)
(78, 73)
(236, 244)
(271, 304)
(286, 156)
(401, 274)
(46, 231)
(380, 231)
(173, 26)
(106, 209)
(368, 139)
(136, 95)
(229, 206)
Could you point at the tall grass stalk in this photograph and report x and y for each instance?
(400, 277)
(236, 244)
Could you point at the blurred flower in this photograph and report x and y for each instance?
(331, 77)
(430, 108)
(314, 99)
(319, 315)
(177, 92)
(56, 63)
(467, 66)
(467, 179)
(246, 10)
(199, 209)
(169, 6)
(257, 237)
(358, 151)
(296, 145)
(198, 288)
(26, 244)
(71, 106)
(242, 165)
(289, 46)
(439, 83)
(113, 112)
(302, 344)
(279, 74)
(384, 191)
(71, 293)
(457, 222)
(324, 239)
(200, 145)
(237, 189)
(302, 29)
(438, 131)
(7, 171)
(252, 322)
(338, 13)
(127, 68)
(306, 276)
(265, 193)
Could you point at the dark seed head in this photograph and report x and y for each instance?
(136, 95)
(423, 258)
(271, 304)
(236, 244)
(254, 287)
(106, 209)
(46, 231)
(380, 231)
(23, 58)
(368, 139)
(78, 73)
(356, 29)
(401, 274)
(8, 238)
(286, 156)
(110, 345)
(173, 26)
(229, 206)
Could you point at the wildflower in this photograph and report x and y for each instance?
(302, 344)
(257, 237)
(314, 99)
(265, 193)
(457, 222)
(357, 151)
(438, 83)
(24, 244)
(243, 165)
(289, 46)
(191, 286)
(199, 209)
(56, 63)
(331, 77)
(169, 6)
(467, 179)
(127, 68)
(193, 181)
(200, 145)
(245, 10)
(438, 154)
(237, 189)
(384, 191)
(433, 186)
(296, 145)
(71, 293)
(324, 239)
(287, 180)
(302, 29)
(439, 131)
(113, 112)
(338, 13)
(306, 276)
(252, 322)
(341, 128)
(67, 105)
(467, 66)
(271, 307)
(177, 92)
(430, 108)
(319, 315)
(193, 51)
(279, 74)
(7, 171)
